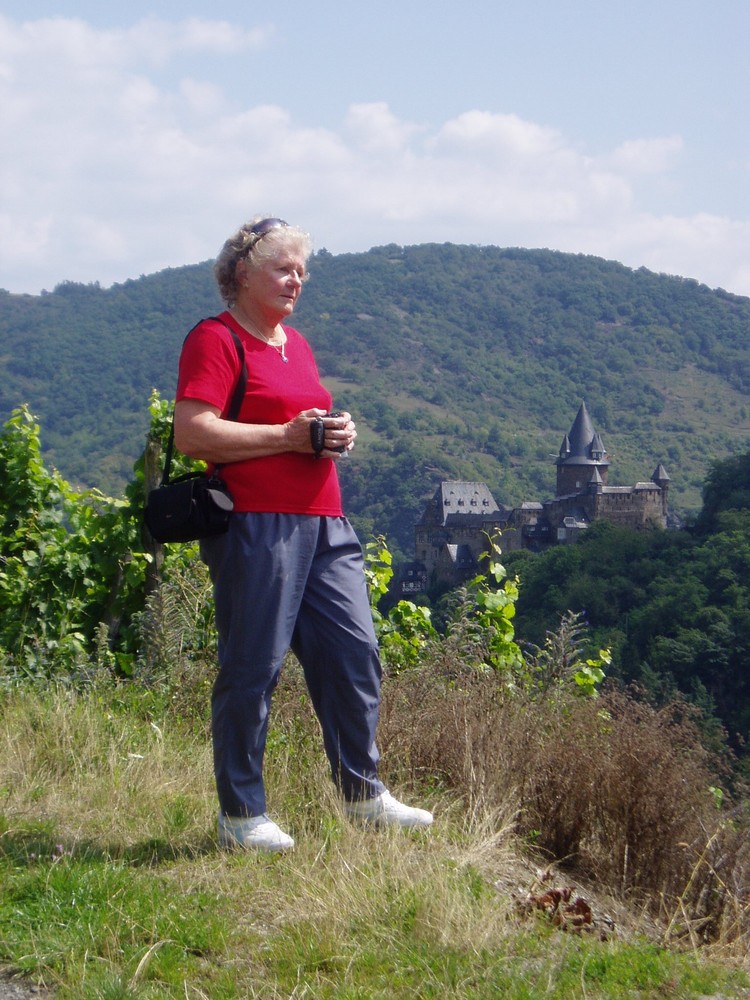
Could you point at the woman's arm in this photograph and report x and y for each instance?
(200, 432)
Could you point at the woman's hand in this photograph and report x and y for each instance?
(341, 433)
(200, 432)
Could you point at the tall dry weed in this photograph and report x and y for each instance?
(619, 790)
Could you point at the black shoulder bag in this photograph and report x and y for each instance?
(195, 505)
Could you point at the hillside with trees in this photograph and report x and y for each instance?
(561, 797)
(457, 361)
(577, 719)
(674, 606)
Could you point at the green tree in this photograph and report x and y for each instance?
(727, 487)
(66, 557)
(74, 564)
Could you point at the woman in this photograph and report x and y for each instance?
(289, 572)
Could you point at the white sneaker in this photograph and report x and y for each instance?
(384, 810)
(254, 832)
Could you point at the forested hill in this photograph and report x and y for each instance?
(457, 362)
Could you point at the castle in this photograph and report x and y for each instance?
(453, 530)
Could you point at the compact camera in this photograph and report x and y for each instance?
(318, 434)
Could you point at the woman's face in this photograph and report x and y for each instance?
(275, 285)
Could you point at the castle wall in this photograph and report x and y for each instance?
(453, 533)
(434, 543)
(575, 477)
(636, 507)
(451, 552)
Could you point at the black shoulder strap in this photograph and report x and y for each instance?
(241, 384)
(238, 394)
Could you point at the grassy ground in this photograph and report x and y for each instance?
(113, 886)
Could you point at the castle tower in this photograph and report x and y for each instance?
(661, 478)
(582, 454)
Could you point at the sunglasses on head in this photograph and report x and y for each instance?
(260, 229)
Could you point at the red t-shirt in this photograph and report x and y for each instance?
(288, 483)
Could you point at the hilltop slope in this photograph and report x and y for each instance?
(457, 362)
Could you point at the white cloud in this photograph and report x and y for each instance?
(646, 156)
(123, 155)
(203, 99)
(499, 136)
(78, 44)
(710, 247)
(221, 37)
(376, 129)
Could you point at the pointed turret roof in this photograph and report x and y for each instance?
(596, 483)
(584, 443)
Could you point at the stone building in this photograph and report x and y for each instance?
(451, 535)
(453, 530)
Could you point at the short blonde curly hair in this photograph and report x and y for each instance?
(258, 241)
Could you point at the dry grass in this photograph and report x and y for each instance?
(608, 796)
(618, 793)
(100, 776)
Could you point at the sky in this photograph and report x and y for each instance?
(139, 136)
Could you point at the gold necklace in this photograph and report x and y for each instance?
(279, 348)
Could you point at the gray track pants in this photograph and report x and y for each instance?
(281, 581)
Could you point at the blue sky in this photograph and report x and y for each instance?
(138, 136)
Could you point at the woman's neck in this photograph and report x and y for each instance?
(264, 327)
